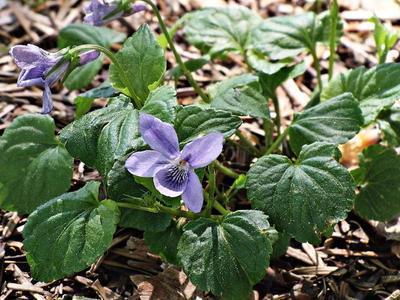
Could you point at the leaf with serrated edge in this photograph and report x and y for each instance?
(143, 62)
(165, 243)
(379, 197)
(34, 166)
(193, 121)
(217, 30)
(161, 104)
(336, 121)
(305, 197)
(240, 95)
(69, 233)
(376, 89)
(80, 34)
(104, 135)
(229, 257)
(287, 36)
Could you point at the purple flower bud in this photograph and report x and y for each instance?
(44, 69)
(173, 170)
(88, 57)
(100, 12)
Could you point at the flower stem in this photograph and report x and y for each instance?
(332, 41)
(247, 144)
(275, 101)
(220, 208)
(161, 208)
(212, 188)
(114, 61)
(225, 170)
(277, 142)
(317, 67)
(178, 58)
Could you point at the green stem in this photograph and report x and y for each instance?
(212, 188)
(161, 208)
(225, 170)
(332, 38)
(247, 144)
(114, 61)
(277, 142)
(178, 58)
(268, 129)
(317, 67)
(220, 208)
(278, 113)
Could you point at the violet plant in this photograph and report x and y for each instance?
(295, 182)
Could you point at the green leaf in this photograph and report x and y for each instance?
(281, 245)
(79, 229)
(261, 63)
(82, 106)
(384, 39)
(192, 65)
(379, 197)
(104, 90)
(162, 103)
(120, 184)
(376, 89)
(270, 82)
(34, 167)
(143, 62)
(193, 121)
(227, 257)
(335, 121)
(218, 30)
(287, 36)
(82, 76)
(389, 123)
(101, 137)
(145, 221)
(165, 243)
(240, 95)
(80, 34)
(302, 198)
(389, 134)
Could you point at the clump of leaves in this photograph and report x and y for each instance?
(296, 194)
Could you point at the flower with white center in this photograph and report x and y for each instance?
(173, 170)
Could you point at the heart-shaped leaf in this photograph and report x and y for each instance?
(305, 197)
(335, 121)
(80, 34)
(240, 95)
(193, 121)
(379, 197)
(217, 30)
(287, 36)
(34, 166)
(227, 257)
(79, 229)
(376, 89)
(104, 135)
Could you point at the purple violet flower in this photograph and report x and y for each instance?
(44, 69)
(173, 170)
(100, 12)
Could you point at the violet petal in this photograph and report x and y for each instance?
(193, 194)
(160, 136)
(146, 163)
(204, 150)
(171, 181)
(47, 106)
(88, 57)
